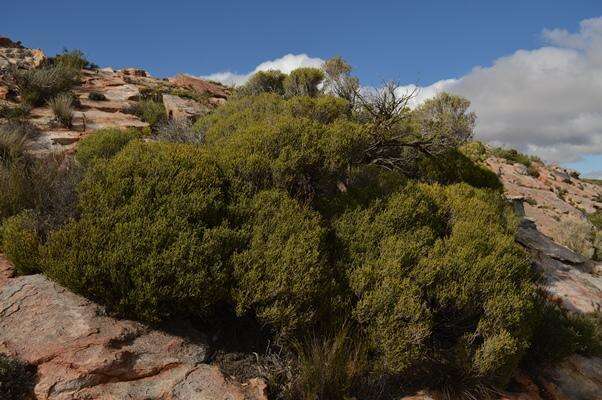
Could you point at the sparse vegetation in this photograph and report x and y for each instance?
(37, 86)
(75, 59)
(149, 111)
(179, 130)
(62, 108)
(97, 96)
(14, 113)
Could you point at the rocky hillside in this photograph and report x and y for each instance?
(105, 98)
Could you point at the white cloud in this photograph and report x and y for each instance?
(285, 64)
(546, 101)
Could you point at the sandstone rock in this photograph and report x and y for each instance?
(530, 237)
(14, 54)
(122, 93)
(555, 199)
(82, 354)
(180, 108)
(134, 72)
(200, 85)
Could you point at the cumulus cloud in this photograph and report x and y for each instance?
(546, 101)
(284, 64)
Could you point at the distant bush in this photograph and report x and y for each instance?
(149, 111)
(303, 82)
(579, 236)
(434, 268)
(152, 240)
(75, 59)
(37, 86)
(271, 81)
(62, 108)
(103, 144)
(17, 379)
(97, 96)
(20, 242)
(514, 156)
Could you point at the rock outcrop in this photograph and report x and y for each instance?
(81, 353)
(13, 54)
(554, 197)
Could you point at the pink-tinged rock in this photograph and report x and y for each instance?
(82, 354)
(134, 72)
(555, 198)
(180, 108)
(201, 86)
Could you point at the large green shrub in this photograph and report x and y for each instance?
(75, 59)
(103, 144)
(20, 242)
(443, 289)
(152, 240)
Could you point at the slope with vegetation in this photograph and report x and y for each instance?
(363, 244)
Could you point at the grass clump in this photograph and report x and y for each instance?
(14, 113)
(62, 108)
(37, 86)
(17, 379)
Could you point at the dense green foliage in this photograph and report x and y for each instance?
(152, 239)
(103, 144)
(306, 212)
(17, 379)
(440, 282)
(20, 242)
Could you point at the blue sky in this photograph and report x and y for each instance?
(420, 42)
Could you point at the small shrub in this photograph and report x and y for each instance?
(102, 145)
(17, 379)
(303, 82)
(271, 81)
(20, 242)
(179, 130)
(14, 113)
(579, 236)
(37, 86)
(533, 171)
(513, 156)
(97, 96)
(62, 108)
(150, 111)
(75, 59)
(558, 333)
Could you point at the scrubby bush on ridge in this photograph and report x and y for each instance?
(103, 144)
(19, 241)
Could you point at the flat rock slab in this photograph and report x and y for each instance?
(83, 354)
